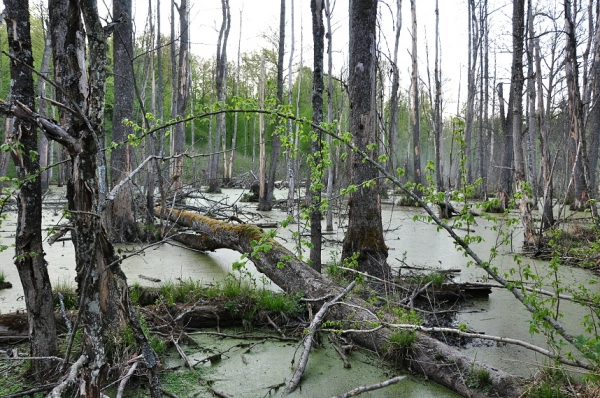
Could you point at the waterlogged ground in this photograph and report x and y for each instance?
(250, 373)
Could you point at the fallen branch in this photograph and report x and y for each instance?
(312, 329)
(57, 391)
(125, 379)
(360, 390)
(30, 392)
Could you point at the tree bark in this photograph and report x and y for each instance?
(221, 88)
(577, 130)
(416, 125)
(44, 147)
(505, 188)
(365, 230)
(266, 203)
(183, 71)
(437, 105)
(316, 172)
(121, 224)
(29, 253)
(521, 188)
(471, 87)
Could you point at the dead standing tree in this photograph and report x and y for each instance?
(214, 184)
(365, 230)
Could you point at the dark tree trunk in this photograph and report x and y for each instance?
(120, 221)
(471, 87)
(29, 253)
(266, 203)
(505, 187)
(517, 80)
(594, 119)
(365, 231)
(582, 193)
(437, 107)
(316, 7)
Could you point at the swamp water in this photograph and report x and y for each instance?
(250, 373)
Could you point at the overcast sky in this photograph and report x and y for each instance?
(260, 17)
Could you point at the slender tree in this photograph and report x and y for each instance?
(316, 7)
(182, 95)
(266, 203)
(221, 88)
(395, 95)
(416, 124)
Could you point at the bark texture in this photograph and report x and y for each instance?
(316, 177)
(365, 230)
(121, 224)
(29, 253)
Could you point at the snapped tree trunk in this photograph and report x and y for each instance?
(364, 235)
(29, 253)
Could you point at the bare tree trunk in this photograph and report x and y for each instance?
(183, 70)
(547, 213)
(437, 107)
(44, 143)
(395, 96)
(29, 253)
(505, 189)
(517, 114)
(331, 167)
(316, 177)
(532, 127)
(577, 132)
(237, 93)
(416, 126)
(214, 184)
(594, 118)
(364, 235)
(471, 87)
(261, 130)
(292, 135)
(122, 226)
(266, 203)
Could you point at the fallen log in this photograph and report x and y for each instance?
(437, 361)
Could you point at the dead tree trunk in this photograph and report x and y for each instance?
(416, 125)
(365, 230)
(121, 224)
(395, 97)
(316, 172)
(29, 253)
(517, 125)
(505, 186)
(183, 70)
(430, 357)
(577, 132)
(266, 203)
(214, 185)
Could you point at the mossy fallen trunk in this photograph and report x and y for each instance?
(437, 361)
